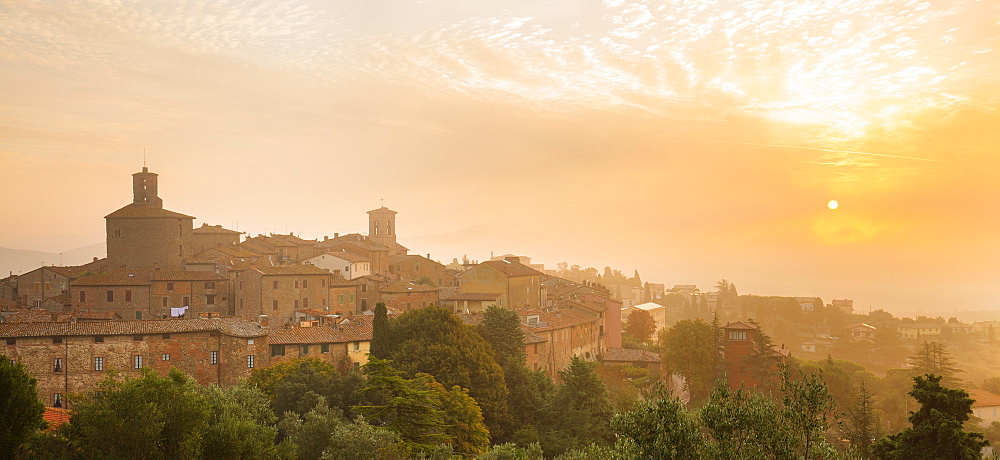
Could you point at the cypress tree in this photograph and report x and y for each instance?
(380, 333)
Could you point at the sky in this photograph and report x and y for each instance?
(689, 140)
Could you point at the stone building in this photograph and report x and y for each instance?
(211, 236)
(275, 293)
(740, 344)
(150, 294)
(567, 332)
(343, 296)
(349, 265)
(518, 284)
(418, 268)
(71, 357)
(382, 230)
(321, 342)
(360, 245)
(142, 233)
(403, 296)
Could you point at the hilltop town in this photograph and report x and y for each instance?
(219, 305)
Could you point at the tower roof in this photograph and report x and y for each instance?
(145, 211)
(382, 210)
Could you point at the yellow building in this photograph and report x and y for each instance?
(517, 284)
(919, 330)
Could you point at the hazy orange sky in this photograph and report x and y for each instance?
(690, 140)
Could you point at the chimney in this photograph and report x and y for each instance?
(428, 256)
(326, 238)
(95, 259)
(263, 320)
(336, 235)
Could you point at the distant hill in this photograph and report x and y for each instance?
(19, 261)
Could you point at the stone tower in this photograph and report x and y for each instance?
(143, 234)
(382, 226)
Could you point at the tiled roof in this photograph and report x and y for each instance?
(396, 287)
(348, 256)
(118, 277)
(185, 275)
(382, 210)
(37, 316)
(630, 355)
(231, 251)
(352, 240)
(97, 315)
(472, 296)
(317, 334)
(55, 416)
(511, 268)
(214, 229)
(230, 326)
(862, 325)
(341, 282)
(553, 318)
(293, 270)
(920, 326)
(739, 325)
(258, 246)
(983, 398)
(584, 304)
(72, 272)
(143, 211)
(313, 312)
(531, 337)
(61, 299)
(4, 303)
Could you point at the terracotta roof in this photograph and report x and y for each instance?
(396, 287)
(37, 316)
(97, 315)
(4, 303)
(473, 296)
(866, 326)
(313, 312)
(630, 355)
(353, 240)
(214, 229)
(554, 318)
(584, 304)
(55, 416)
(61, 299)
(198, 261)
(185, 275)
(231, 251)
(341, 282)
(317, 334)
(237, 327)
(118, 277)
(511, 268)
(258, 246)
(71, 272)
(382, 210)
(348, 256)
(145, 211)
(739, 325)
(920, 326)
(983, 398)
(293, 270)
(531, 337)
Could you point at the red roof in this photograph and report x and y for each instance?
(983, 398)
(145, 211)
(511, 268)
(215, 229)
(293, 270)
(236, 327)
(348, 256)
(55, 416)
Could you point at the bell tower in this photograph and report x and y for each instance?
(382, 226)
(144, 188)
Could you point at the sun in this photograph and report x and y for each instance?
(833, 204)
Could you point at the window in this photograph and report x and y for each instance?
(137, 338)
(296, 284)
(364, 287)
(209, 284)
(57, 365)
(165, 357)
(250, 361)
(56, 399)
(170, 287)
(48, 286)
(138, 314)
(180, 251)
(165, 301)
(324, 348)
(357, 346)
(210, 300)
(98, 363)
(111, 296)
(305, 284)
(128, 295)
(249, 341)
(98, 339)
(186, 301)
(352, 298)
(83, 296)
(11, 341)
(166, 336)
(364, 304)
(38, 286)
(213, 357)
(277, 350)
(323, 302)
(737, 335)
(342, 298)
(118, 233)
(305, 349)
(357, 365)
(305, 302)
(274, 284)
(296, 304)
(57, 340)
(274, 304)
(137, 361)
(322, 283)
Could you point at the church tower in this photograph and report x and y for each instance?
(382, 230)
(142, 234)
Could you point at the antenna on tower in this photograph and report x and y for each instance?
(144, 157)
(383, 201)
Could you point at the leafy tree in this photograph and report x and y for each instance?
(510, 451)
(379, 347)
(936, 431)
(690, 349)
(501, 327)
(579, 412)
(310, 433)
(409, 408)
(361, 441)
(640, 324)
(161, 417)
(746, 425)
(434, 341)
(992, 385)
(462, 418)
(762, 363)
(240, 424)
(933, 358)
(296, 385)
(807, 407)
(20, 410)
(660, 428)
(861, 428)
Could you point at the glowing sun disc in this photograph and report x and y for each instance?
(832, 204)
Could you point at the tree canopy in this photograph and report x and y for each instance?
(20, 409)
